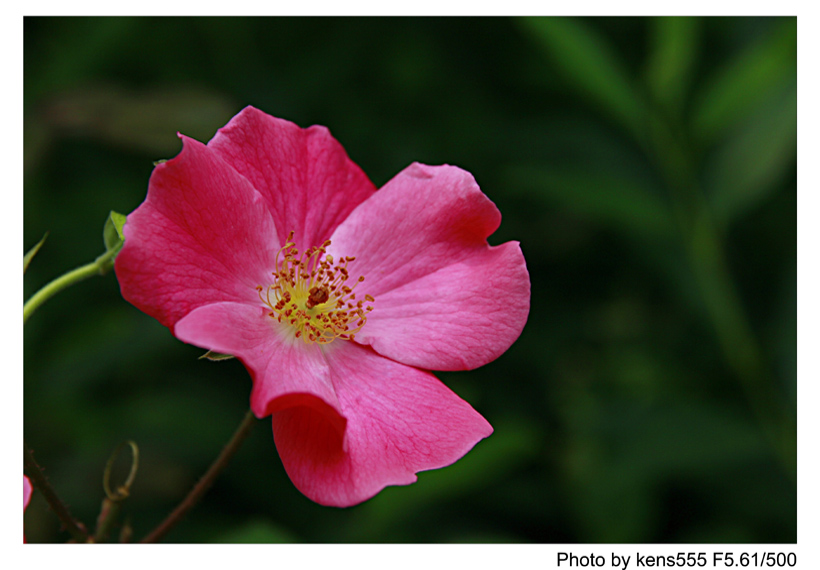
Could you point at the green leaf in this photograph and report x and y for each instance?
(746, 82)
(673, 49)
(112, 232)
(32, 252)
(753, 162)
(591, 64)
(216, 356)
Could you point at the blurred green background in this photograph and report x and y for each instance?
(646, 165)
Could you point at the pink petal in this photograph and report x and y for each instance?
(305, 175)
(445, 299)
(400, 421)
(285, 371)
(203, 235)
(26, 497)
(457, 318)
(26, 492)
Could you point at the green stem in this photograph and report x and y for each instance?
(737, 340)
(38, 479)
(99, 266)
(706, 254)
(207, 480)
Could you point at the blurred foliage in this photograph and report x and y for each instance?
(646, 165)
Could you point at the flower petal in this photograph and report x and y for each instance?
(457, 318)
(445, 299)
(400, 420)
(309, 182)
(203, 235)
(285, 371)
(26, 492)
(26, 497)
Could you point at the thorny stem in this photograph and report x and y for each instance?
(99, 266)
(207, 480)
(38, 479)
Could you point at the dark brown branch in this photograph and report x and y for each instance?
(40, 482)
(207, 480)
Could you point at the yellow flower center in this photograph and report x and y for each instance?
(309, 292)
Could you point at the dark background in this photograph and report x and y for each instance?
(646, 165)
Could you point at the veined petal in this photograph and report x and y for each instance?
(426, 217)
(400, 420)
(457, 318)
(305, 175)
(286, 372)
(445, 299)
(203, 235)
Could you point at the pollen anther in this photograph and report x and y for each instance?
(309, 293)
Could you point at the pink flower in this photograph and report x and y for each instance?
(270, 244)
(26, 496)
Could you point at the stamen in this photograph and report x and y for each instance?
(309, 293)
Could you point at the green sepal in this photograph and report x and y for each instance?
(32, 252)
(216, 356)
(112, 232)
(113, 238)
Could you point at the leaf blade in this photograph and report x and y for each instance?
(749, 165)
(674, 48)
(591, 64)
(744, 84)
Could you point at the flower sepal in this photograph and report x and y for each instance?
(216, 356)
(112, 231)
(113, 239)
